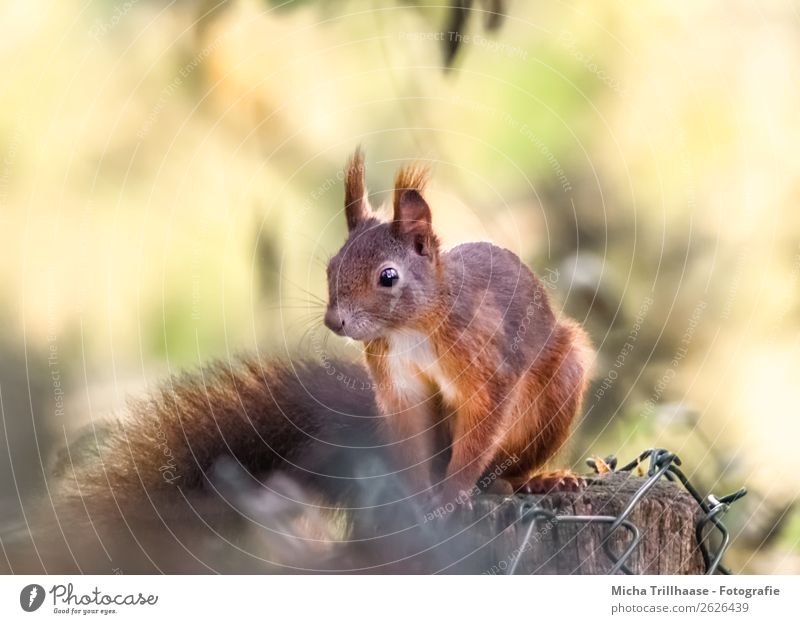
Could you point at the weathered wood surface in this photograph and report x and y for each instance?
(207, 534)
(666, 517)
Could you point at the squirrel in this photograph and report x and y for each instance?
(468, 373)
(475, 371)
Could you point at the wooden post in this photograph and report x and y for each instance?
(667, 517)
(485, 535)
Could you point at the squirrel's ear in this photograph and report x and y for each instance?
(412, 215)
(356, 204)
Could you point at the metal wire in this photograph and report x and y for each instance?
(663, 464)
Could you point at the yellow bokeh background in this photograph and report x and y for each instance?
(170, 191)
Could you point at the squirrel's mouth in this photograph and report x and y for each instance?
(354, 327)
(358, 332)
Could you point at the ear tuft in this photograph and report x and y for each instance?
(412, 215)
(356, 204)
(413, 177)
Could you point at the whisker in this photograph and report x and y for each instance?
(316, 298)
(322, 262)
(305, 320)
(309, 306)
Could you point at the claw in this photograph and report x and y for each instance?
(559, 480)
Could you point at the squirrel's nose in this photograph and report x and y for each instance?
(334, 320)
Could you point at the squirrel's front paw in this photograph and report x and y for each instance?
(553, 481)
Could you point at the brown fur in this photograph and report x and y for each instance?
(471, 334)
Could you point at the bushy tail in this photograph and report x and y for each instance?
(252, 448)
(303, 418)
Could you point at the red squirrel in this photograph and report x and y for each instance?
(468, 356)
(468, 370)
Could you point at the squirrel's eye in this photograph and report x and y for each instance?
(389, 277)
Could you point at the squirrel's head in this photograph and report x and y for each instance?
(385, 275)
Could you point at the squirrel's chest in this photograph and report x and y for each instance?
(414, 366)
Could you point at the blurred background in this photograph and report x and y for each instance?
(170, 190)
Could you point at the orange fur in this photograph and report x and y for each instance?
(465, 343)
(472, 367)
(524, 429)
